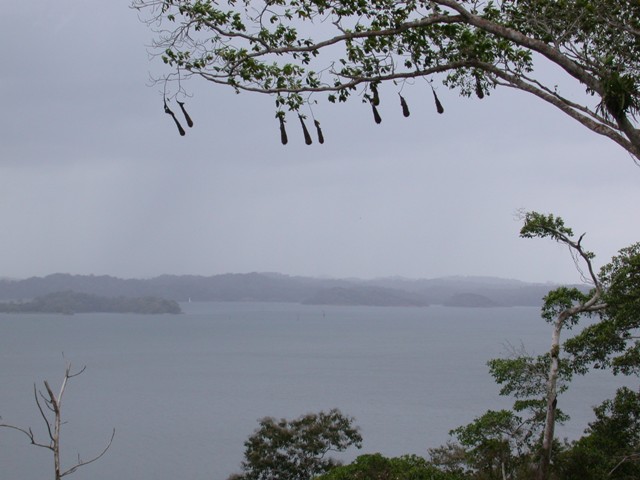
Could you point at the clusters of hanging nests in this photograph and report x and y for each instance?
(305, 131)
(374, 99)
(168, 111)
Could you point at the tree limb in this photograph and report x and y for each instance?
(82, 464)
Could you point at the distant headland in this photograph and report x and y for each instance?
(69, 302)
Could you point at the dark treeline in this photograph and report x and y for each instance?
(69, 302)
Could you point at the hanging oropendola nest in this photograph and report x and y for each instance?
(405, 107)
(319, 131)
(375, 99)
(168, 111)
(186, 115)
(376, 114)
(307, 136)
(439, 106)
(283, 131)
(479, 89)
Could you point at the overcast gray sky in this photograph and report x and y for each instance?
(94, 178)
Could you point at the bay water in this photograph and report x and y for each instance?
(185, 391)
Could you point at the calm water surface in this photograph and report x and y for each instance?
(184, 392)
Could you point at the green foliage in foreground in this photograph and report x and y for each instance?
(611, 447)
(378, 467)
(297, 449)
(498, 446)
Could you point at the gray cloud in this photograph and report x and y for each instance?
(95, 179)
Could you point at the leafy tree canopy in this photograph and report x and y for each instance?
(613, 341)
(297, 449)
(297, 49)
(611, 446)
(496, 444)
(526, 378)
(377, 467)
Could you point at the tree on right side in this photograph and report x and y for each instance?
(521, 444)
(611, 446)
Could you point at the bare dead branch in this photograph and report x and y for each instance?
(53, 425)
(44, 417)
(97, 457)
(28, 433)
(79, 372)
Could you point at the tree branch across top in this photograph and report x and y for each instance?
(296, 50)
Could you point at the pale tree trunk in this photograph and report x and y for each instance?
(55, 404)
(537, 225)
(552, 400)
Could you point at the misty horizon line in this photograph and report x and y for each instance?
(288, 275)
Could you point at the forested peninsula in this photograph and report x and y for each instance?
(69, 302)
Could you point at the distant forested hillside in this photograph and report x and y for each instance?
(365, 295)
(273, 287)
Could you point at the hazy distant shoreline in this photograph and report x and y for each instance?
(273, 287)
